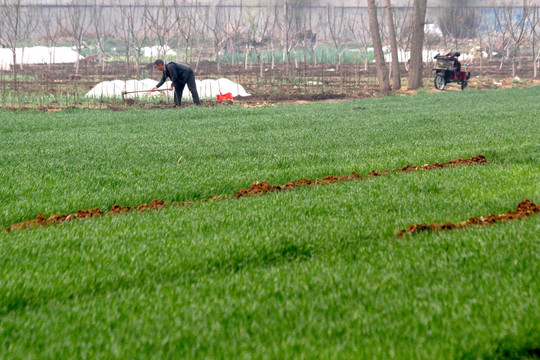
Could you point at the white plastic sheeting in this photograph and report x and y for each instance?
(207, 89)
(404, 56)
(156, 51)
(432, 29)
(38, 55)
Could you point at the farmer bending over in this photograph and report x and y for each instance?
(180, 75)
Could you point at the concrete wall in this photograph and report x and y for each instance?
(351, 3)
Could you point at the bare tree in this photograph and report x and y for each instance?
(51, 29)
(215, 23)
(234, 30)
(396, 78)
(100, 25)
(300, 32)
(133, 31)
(160, 20)
(365, 38)
(289, 40)
(201, 15)
(285, 26)
(252, 25)
(358, 29)
(336, 29)
(534, 20)
(139, 34)
(305, 34)
(403, 31)
(353, 24)
(185, 18)
(309, 36)
(123, 28)
(458, 22)
(256, 35)
(382, 71)
(516, 27)
(417, 43)
(502, 39)
(262, 35)
(489, 37)
(76, 15)
(271, 48)
(29, 24)
(11, 13)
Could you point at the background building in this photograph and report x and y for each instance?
(338, 3)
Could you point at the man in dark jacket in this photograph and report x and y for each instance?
(180, 75)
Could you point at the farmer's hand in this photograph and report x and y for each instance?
(171, 88)
(154, 89)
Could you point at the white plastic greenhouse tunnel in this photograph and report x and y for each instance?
(38, 55)
(208, 89)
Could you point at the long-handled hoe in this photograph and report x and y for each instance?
(138, 91)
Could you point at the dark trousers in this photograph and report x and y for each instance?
(179, 89)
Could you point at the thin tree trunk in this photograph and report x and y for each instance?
(396, 77)
(246, 57)
(536, 61)
(533, 20)
(14, 51)
(514, 65)
(534, 53)
(382, 71)
(417, 43)
(273, 55)
(366, 59)
(286, 28)
(127, 61)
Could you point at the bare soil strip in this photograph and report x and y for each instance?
(524, 209)
(265, 187)
(257, 188)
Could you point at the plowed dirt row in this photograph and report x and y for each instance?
(524, 209)
(264, 187)
(257, 188)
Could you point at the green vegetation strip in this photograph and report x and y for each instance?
(313, 273)
(257, 188)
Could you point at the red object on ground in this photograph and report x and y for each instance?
(226, 96)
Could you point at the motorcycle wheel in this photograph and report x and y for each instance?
(439, 82)
(464, 84)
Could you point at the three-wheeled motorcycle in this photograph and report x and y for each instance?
(448, 69)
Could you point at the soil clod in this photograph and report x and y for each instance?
(257, 188)
(154, 204)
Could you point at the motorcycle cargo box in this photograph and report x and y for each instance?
(444, 63)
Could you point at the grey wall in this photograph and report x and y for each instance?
(351, 3)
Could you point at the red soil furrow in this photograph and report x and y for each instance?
(263, 187)
(524, 209)
(257, 188)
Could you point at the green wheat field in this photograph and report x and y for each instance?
(315, 272)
